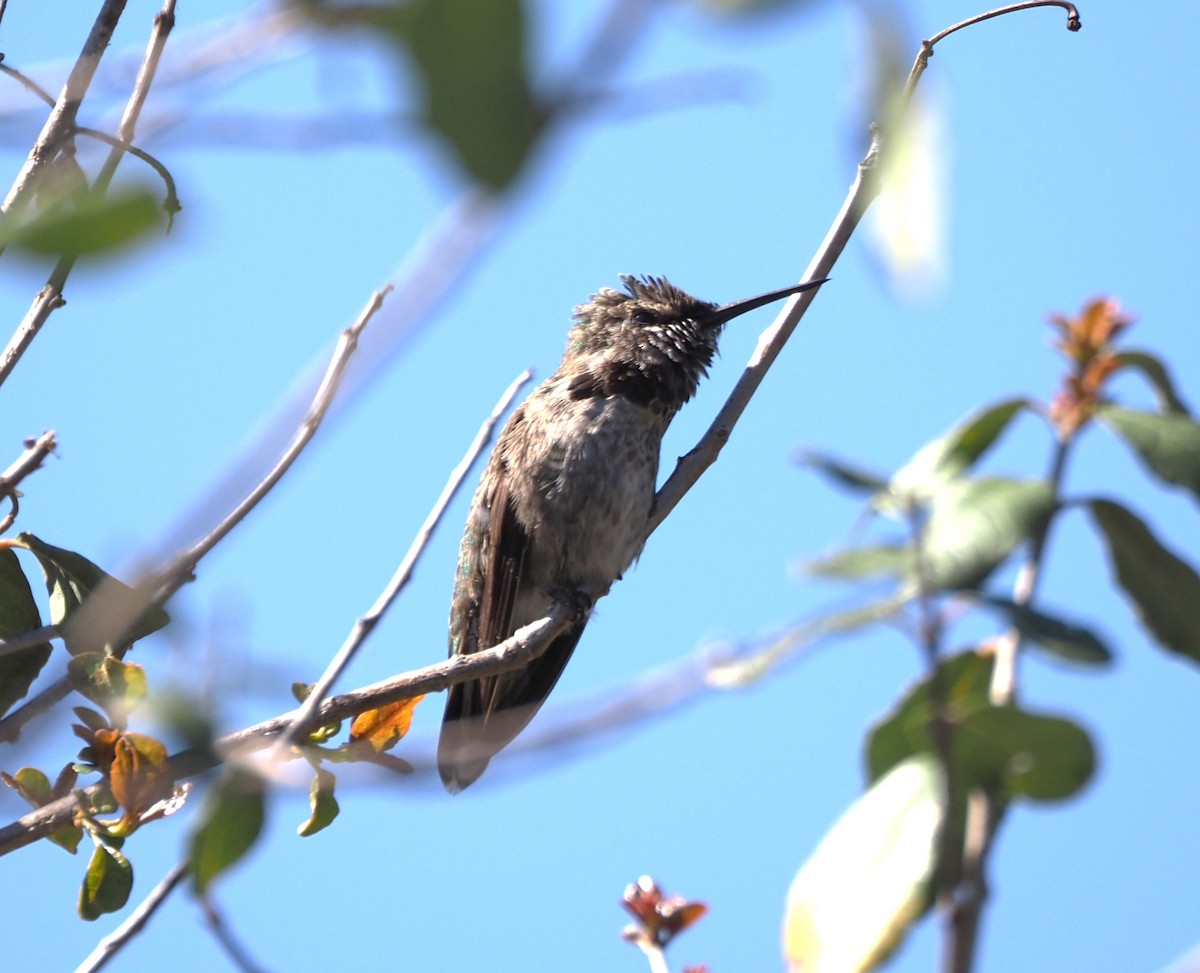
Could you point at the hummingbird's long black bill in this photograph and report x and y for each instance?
(727, 312)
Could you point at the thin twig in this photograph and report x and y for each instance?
(922, 61)
(60, 124)
(172, 577)
(49, 298)
(111, 944)
(105, 619)
(36, 451)
(366, 624)
(770, 343)
(28, 83)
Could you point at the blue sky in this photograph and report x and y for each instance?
(1067, 177)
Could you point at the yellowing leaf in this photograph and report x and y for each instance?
(385, 726)
(867, 882)
(323, 803)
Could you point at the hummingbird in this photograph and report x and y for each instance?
(564, 502)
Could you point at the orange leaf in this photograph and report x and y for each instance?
(139, 775)
(384, 727)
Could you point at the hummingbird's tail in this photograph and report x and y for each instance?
(485, 715)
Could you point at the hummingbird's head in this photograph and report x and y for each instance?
(651, 343)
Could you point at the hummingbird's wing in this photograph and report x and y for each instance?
(484, 715)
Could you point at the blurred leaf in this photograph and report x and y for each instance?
(859, 563)
(1008, 751)
(1057, 636)
(868, 880)
(470, 58)
(906, 226)
(974, 525)
(71, 578)
(108, 681)
(106, 884)
(384, 726)
(843, 474)
(951, 455)
(904, 732)
(1168, 445)
(1159, 377)
(90, 718)
(89, 227)
(230, 822)
(1165, 590)
(1022, 754)
(18, 615)
(323, 803)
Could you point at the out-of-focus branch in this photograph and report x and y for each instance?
(106, 619)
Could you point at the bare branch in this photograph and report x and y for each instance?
(60, 124)
(770, 343)
(49, 298)
(366, 624)
(922, 61)
(173, 576)
(36, 451)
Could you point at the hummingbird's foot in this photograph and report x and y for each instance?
(579, 601)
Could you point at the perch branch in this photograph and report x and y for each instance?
(366, 624)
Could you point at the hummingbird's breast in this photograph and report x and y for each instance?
(590, 469)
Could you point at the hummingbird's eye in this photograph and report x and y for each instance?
(643, 316)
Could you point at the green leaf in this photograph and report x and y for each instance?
(859, 563)
(18, 615)
(950, 455)
(70, 579)
(1165, 589)
(470, 62)
(1160, 378)
(1022, 754)
(974, 525)
(323, 803)
(868, 881)
(89, 227)
(904, 732)
(106, 884)
(230, 822)
(851, 478)
(31, 784)
(1168, 445)
(1008, 751)
(1057, 636)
